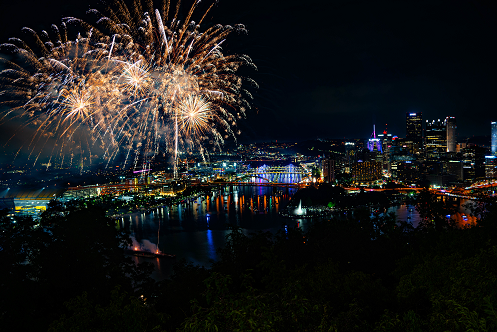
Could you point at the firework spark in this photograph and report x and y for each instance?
(136, 77)
(195, 116)
(78, 104)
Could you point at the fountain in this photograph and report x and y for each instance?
(302, 213)
(299, 211)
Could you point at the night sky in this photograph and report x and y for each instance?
(332, 69)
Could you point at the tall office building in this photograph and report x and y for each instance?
(494, 137)
(349, 155)
(451, 133)
(414, 131)
(374, 143)
(490, 167)
(386, 142)
(435, 138)
(328, 169)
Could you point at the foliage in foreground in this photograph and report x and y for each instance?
(367, 273)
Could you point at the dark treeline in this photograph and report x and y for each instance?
(68, 272)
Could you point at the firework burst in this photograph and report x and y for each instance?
(195, 116)
(142, 81)
(50, 93)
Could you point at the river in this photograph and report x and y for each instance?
(194, 229)
(406, 212)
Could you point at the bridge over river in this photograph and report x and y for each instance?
(290, 175)
(265, 174)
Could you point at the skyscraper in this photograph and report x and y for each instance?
(386, 142)
(490, 167)
(374, 143)
(414, 131)
(494, 137)
(436, 138)
(328, 169)
(451, 133)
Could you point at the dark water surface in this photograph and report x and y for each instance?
(194, 229)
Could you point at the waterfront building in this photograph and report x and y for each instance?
(451, 133)
(490, 167)
(366, 172)
(455, 167)
(440, 180)
(28, 202)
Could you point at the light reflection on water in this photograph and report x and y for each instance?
(194, 229)
(406, 212)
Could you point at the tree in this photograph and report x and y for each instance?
(252, 310)
(122, 313)
(484, 208)
(71, 250)
(452, 292)
(435, 211)
(16, 238)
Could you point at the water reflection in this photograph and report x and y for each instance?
(406, 212)
(462, 217)
(212, 248)
(196, 227)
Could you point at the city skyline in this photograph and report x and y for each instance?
(339, 67)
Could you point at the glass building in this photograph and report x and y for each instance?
(414, 131)
(494, 137)
(435, 138)
(490, 167)
(451, 133)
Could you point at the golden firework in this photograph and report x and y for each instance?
(141, 81)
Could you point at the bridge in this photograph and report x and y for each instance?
(289, 175)
(488, 187)
(266, 184)
(264, 174)
(474, 192)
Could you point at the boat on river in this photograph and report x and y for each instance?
(148, 254)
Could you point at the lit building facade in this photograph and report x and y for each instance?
(374, 143)
(349, 155)
(473, 159)
(26, 202)
(367, 172)
(435, 138)
(494, 138)
(455, 167)
(414, 132)
(451, 133)
(405, 172)
(329, 170)
(386, 142)
(490, 167)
